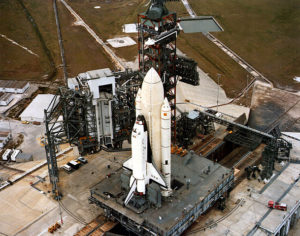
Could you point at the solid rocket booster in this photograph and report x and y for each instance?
(152, 98)
(166, 146)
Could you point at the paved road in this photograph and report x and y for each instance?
(17, 44)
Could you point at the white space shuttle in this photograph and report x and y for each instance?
(150, 139)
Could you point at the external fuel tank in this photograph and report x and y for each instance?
(152, 98)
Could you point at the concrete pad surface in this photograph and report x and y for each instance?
(207, 94)
(20, 204)
(121, 42)
(270, 105)
(26, 211)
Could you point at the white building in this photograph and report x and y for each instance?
(35, 110)
(102, 85)
(5, 136)
(5, 99)
(130, 28)
(73, 84)
(12, 86)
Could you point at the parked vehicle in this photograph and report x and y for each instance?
(6, 154)
(67, 168)
(82, 160)
(277, 205)
(15, 154)
(74, 164)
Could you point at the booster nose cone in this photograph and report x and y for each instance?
(166, 106)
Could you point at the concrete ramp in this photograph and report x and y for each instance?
(271, 106)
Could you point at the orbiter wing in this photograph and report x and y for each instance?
(128, 164)
(154, 174)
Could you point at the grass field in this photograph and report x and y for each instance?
(15, 62)
(82, 52)
(107, 21)
(263, 32)
(210, 58)
(42, 11)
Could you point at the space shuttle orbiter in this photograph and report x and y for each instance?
(143, 170)
(150, 139)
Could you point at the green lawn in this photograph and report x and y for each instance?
(81, 51)
(266, 33)
(15, 62)
(210, 58)
(107, 21)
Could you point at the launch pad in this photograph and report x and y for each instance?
(197, 184)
